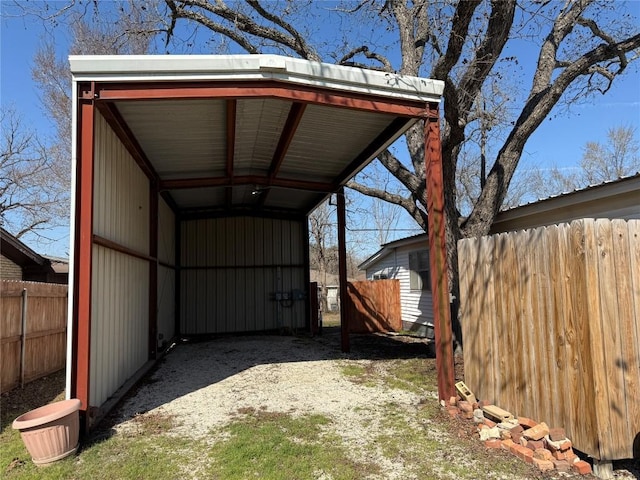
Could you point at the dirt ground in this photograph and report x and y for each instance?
(205, 384)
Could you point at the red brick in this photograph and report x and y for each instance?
(453, 411)
(506, 444)
(515, 436)
(558, 455)
(582, 467)
(542, 454)
(557, 434)
(535, 444)
(543, 465)
(517, 429)
(524, 453)
(571, 456)
(513, 448)
(468, 415)
(565, 455)
(528, 455)
(493, 443)
(465, 406)
(453, 401)
(538, 432)
(489, 423)
(566, 445)
(561, 465)
(527, 422)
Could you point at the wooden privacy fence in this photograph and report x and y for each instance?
(40, 310)
(551, 328)
(374, 306)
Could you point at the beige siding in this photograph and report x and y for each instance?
(9, 270)
(121, 192)
(120, 282)
(119, 320)
(417, 307)
(232, 267)
(166, 275)
(166, 233)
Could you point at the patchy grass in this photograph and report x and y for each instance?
(414, 375)
(270, 445)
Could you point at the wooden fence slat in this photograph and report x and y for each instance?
(564, 326)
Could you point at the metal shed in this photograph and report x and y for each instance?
(193, 179)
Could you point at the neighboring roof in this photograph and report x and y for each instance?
(387, 248)
(612, 199)
(254, 134)
(59, 265)
(18, 252)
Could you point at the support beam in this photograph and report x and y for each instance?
(257, 180)
(83, 244)
(438, 256)
(342, 271)
(153, 270)
(112, 91)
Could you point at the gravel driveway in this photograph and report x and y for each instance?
(206, 385)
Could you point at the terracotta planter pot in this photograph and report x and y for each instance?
(50, 432)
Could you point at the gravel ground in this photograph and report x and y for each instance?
(205, 385)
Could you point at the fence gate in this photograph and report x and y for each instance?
(374, 306)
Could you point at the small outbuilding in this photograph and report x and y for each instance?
(193, 180)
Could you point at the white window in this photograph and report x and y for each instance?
(419, 277)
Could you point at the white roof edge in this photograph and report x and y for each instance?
(252, 67)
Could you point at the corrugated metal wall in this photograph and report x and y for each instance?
(232, 267)
(120, 282)
(166, 274)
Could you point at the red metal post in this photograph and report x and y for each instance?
(83, 249)
(438, 255)
(342, 271)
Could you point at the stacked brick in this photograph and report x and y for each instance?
(548, 449)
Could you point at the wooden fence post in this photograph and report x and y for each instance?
(23, 340)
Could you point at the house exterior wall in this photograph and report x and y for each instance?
(120, 282)
(231, 269)
(9, 270)
(166, 274)
(416, 306)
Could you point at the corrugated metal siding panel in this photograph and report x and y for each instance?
(121, 192)
(416, 306)
(259, 124)
(166, 304)
(340, 146)
(194, 131)
(242, 261)
(166, 233)
(119, 320)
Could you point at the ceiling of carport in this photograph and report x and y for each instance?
(278, 139)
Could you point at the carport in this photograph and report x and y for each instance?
(193, 180)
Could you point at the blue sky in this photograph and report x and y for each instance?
(557, 142)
